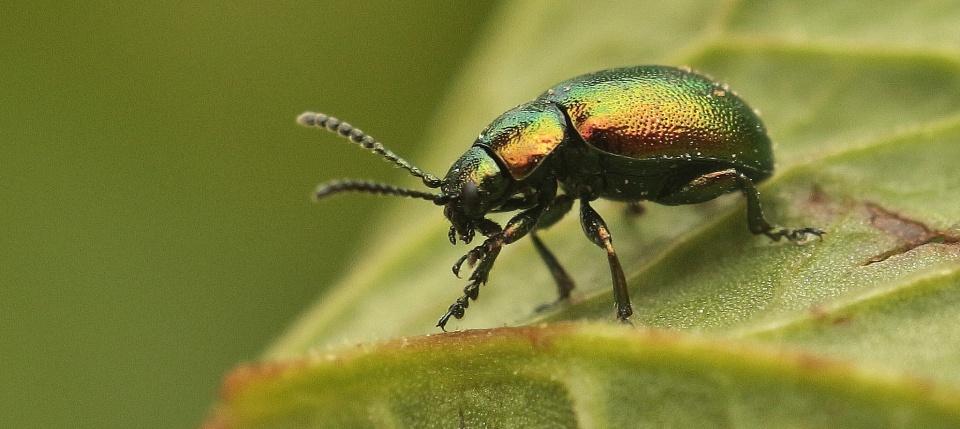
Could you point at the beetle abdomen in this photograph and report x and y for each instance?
(658, 112)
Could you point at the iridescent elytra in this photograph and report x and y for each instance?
(646, 133)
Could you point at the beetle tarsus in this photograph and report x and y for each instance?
(794, 235)
(479, 277)
(442, 323)
(478, 253)
(456, 310)
(472, 290)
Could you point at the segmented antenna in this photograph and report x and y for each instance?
(333, 188)
(320, 120)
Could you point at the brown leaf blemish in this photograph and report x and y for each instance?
(909, 232)
(818, 196)
(819, 204)
(822, 315)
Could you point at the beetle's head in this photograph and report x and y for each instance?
(473, 187)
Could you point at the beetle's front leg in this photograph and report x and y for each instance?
(486, 253)
(489, 229)
(472, 290)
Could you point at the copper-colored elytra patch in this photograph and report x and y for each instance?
(522, 159)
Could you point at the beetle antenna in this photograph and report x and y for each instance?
(339, 186)
(320, 120)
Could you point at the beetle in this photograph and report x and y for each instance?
(645, 133)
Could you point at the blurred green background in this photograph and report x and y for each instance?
(156, 226)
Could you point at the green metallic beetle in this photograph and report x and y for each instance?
(663, 134)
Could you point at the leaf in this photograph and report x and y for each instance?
(855, 330)
(568, 376)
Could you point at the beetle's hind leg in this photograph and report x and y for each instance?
(759, 225)
(712, 185)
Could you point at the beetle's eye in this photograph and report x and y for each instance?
(470, 198)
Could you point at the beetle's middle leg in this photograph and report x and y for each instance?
(596, 230)
(712, 185)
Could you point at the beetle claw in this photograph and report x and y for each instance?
(471, 258)
(456, 265)
(803, 233)
(456, 310)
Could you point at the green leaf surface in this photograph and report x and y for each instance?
(569, 376)
(856, 330)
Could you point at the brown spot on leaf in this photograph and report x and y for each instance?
(814, 363)
(822, 315)
(821, 206)
(242, 376)
(909, 232)
(818, 196)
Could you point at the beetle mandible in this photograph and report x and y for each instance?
(656, 133)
